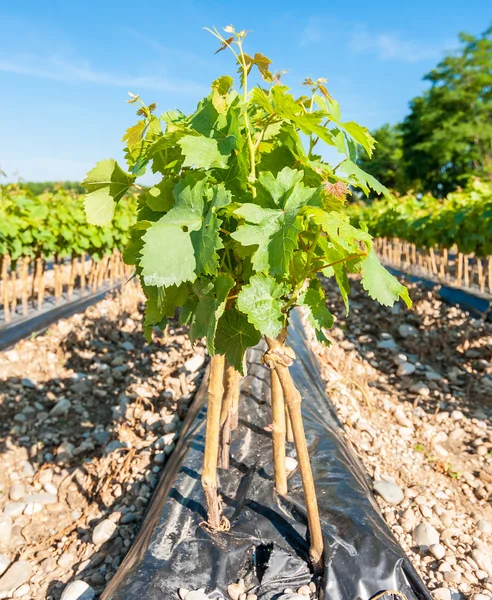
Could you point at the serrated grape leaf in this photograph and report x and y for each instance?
(261, 301)
(182, 244)
(220, 90)
(339, 230)
(160, 197)
(234, 336)
(212, 299)
(313, 298)
(356, 176)
(201, 152)
(275, 230)
(106, 184)
(380, 284)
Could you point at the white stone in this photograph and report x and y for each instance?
(437, 550)
(17, 492)
(15, 576)
(33, 508)
(483, 560)
(407, 331)
(61, 407)
(484, 526)
(290, 463)
(456, 415)
(405, 369)
(389, 491)
(480, 597)
(183, 592)
(197, 595)
(14, 509)
(425, 535)
(23, 590)
(421, 389)
(442, 594)
(103, 531)
(78, 590)
(5, 529)
(4, 563)
(41, 498)
(194, 363)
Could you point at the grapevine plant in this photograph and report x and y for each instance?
(236, 234)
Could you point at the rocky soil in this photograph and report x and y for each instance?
(90, 413)
(414, 391)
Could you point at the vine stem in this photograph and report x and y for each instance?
(209, 474)
(231, 390)
(279, 433)
(278, 357)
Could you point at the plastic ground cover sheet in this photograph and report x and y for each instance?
(266, 544)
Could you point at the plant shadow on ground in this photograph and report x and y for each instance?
(454, 346)
(92, 482)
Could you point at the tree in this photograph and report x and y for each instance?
(235, 234)
(386, 161)
(447, 137)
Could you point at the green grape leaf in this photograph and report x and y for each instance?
(106, 184)
(220, 90)
(234, 336)
(201, 152)
(361, 179)
(160, 197)
(380, 284)
(261, 301)
(212, 299)
(313, 298)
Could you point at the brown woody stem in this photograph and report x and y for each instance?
(278, 434)
(231, 390)
(209, 474)
(279, 357)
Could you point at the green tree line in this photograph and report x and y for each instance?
(446, 139)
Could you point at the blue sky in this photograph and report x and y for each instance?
(66, 67)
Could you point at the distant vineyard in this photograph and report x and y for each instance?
(48, 249)
(449, 239)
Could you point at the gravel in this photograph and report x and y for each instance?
(428, 431)
(389, 491)
(79, 468)
(78, 590)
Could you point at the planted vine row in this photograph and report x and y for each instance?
(48, 249)
(243, 222)
(446, 239)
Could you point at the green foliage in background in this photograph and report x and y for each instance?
(447, 137)
(54, 223)
(463, 218)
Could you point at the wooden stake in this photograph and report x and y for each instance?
(41, 282)
(209, 474)
(5, 280)
(82, 273)
(278, 433)
(13, 288)
(73, 272)
(279, 357)
(24, 279)
(481, 275)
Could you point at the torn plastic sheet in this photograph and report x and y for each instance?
(266, 544)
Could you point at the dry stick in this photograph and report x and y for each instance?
(459, 273)
(41, 283)
(433, 261)
(489, 269)
(465, 270)
(5, 280)
(209, 474)
(481, 275)
(13, 289)
(111, 269)
(280, 357)
(71, 281)
(278, 433)
(230, 384)
(24, 279)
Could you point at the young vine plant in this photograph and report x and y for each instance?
(246, 218)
